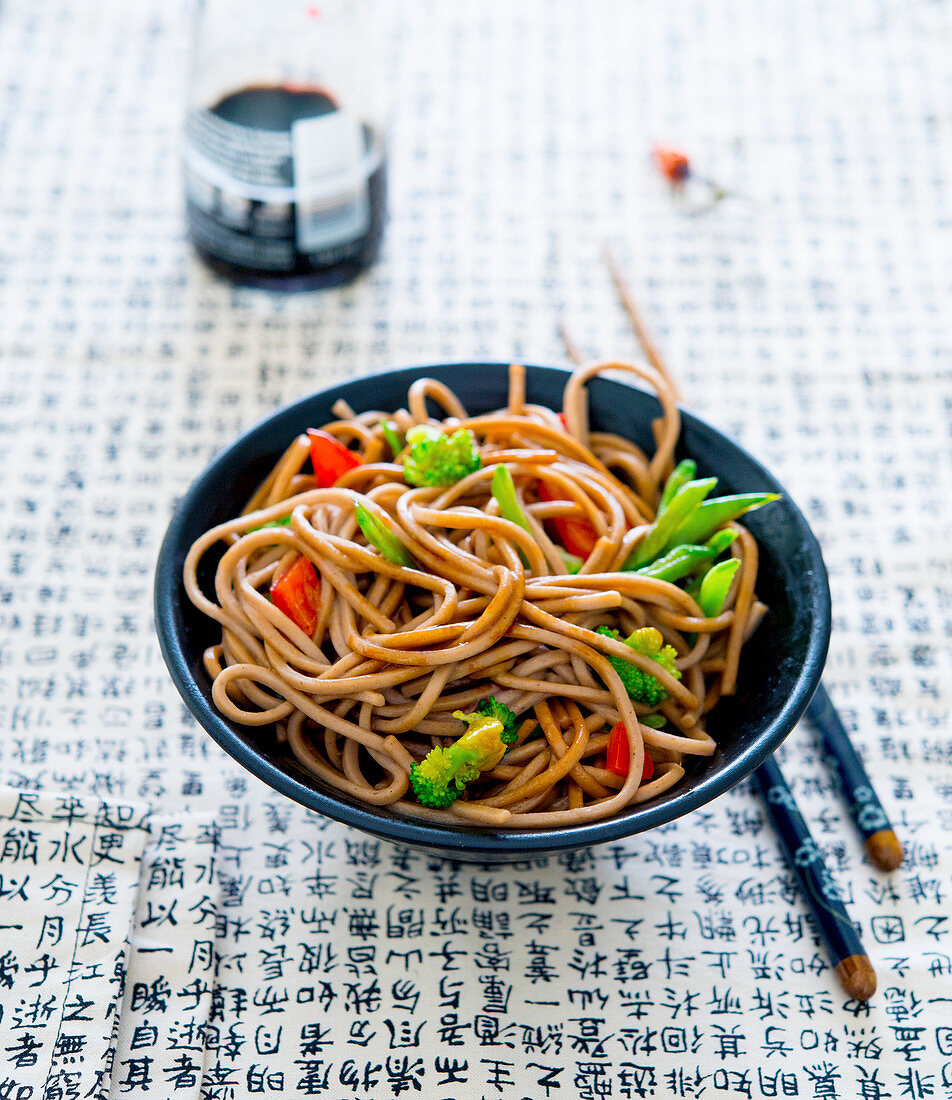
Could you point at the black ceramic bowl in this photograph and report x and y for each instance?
(779, 672)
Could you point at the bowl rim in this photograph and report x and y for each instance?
(472, 841)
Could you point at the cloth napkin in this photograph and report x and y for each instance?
(108, 924)
(164, 1022)
(69, 873)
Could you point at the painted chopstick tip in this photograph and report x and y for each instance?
(884, 849)
(857, 977)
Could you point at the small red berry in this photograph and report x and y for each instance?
(674, 165)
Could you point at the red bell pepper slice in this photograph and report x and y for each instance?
(297, 593)
(576, 535)
(619, 755)
(330, 458)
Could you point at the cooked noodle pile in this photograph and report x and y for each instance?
(491, 611)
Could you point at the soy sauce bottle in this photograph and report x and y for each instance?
(285, 156)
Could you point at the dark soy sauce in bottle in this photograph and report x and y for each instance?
(285, 184)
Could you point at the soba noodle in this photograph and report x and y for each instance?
(397, 650)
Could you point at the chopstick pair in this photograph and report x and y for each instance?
(841, 939)
(820, 891)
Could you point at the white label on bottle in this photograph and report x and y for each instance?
(329, 180)
(234, 210)
(226, 152)
(199, 191)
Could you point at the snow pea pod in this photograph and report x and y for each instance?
(686, 559)
(661, 532)
(712, 514)
(715, 586)
(284, 521)
(504, 490)
(684, 472)
(392, 437)
(383, 539)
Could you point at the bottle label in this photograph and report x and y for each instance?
(330, 180)
(238, 154)
(269, 198)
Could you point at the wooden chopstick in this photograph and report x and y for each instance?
(820, 892)
(871, 821)
(572, 349)
(628, 303)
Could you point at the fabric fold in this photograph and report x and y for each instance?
(69, 871)
(163, 1024)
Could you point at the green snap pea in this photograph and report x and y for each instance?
(392, 437)
(684, 502)
(383, 539)
(573, 563)
(684, 472)
(685, 560)
(504, 490)
(712, 514)
(715, 586)
(652, 721)
(284, 521)
(677, 563)
(719, 541)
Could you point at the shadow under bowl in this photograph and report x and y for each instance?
(780, 668)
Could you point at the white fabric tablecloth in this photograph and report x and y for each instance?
(809, 316)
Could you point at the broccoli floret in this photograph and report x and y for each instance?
(434, 458)
(492, 708)
(443, 773)
(642, 686)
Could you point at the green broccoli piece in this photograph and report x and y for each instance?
(439, 779)
(492, 708)
(642, 686)
(437, 459)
